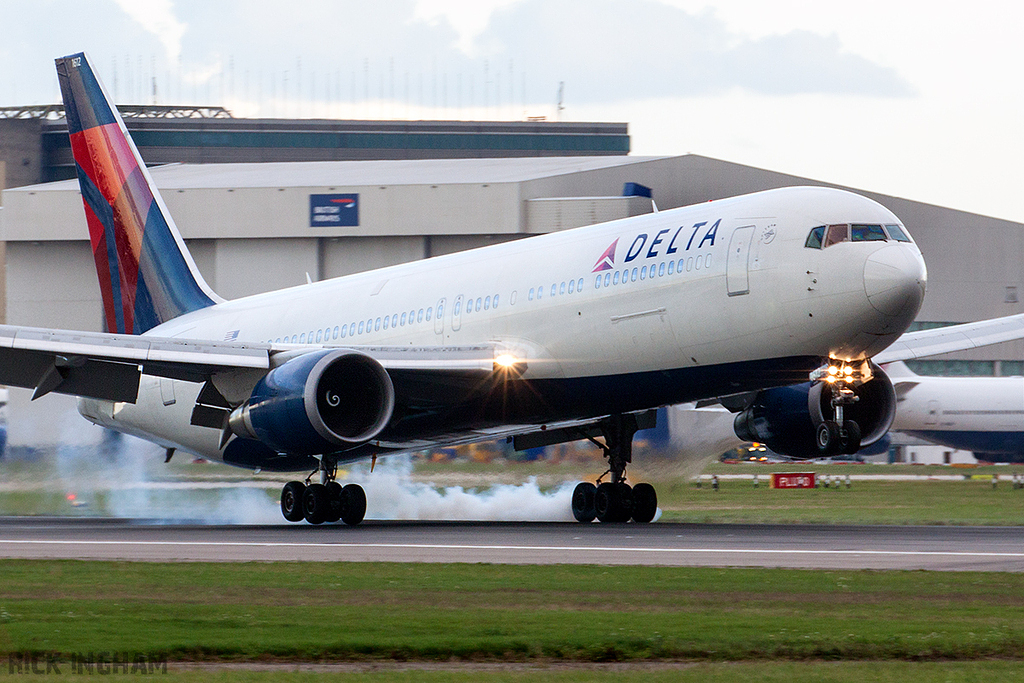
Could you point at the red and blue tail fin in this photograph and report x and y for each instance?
(146, 274)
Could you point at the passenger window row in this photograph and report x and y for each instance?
(607, 279)
(354, 329)
(479, 304)
(665, 268)
(557, 289)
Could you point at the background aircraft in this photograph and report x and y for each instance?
(984, 415)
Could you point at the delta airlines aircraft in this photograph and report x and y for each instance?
(560, 337)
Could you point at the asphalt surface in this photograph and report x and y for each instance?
(691, 545)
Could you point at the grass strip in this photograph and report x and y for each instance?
(346, 612)
(972, 502)
(958, 502)
(745, 672)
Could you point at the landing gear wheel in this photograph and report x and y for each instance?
(645, 503)
(291, 501)
(828, 437)
(613, 503)
(316, 504)
(851, 437)
(583, 502)
(334, 502)
(353, 504)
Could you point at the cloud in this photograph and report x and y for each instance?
(608, 52)
(157, 17)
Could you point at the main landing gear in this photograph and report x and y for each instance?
(615, 500)
(327, 501)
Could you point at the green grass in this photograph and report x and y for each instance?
(335, 612)
(865, 502)
(760, 672)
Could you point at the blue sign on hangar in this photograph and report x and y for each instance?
(333, 210)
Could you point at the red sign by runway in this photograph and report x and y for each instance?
(792, 480)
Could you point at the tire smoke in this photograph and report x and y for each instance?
(113, 475)
(392, 493)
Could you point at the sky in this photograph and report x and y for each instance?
(918, 100)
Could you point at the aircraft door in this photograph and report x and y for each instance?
(934, 410)
(736, 264)
(439, 319)
(457, 314)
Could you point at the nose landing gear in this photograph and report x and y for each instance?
(838, 435)
(615, 500)
(326, 501)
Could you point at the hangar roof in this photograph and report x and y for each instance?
(362, 173)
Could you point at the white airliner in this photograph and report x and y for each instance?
(984, 415)
(559, 337)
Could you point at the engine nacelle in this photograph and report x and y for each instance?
(786, 419)
(319, 402)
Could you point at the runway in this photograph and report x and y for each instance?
(685, 545)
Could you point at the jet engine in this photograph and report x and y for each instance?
(319, 402)
(790, 420)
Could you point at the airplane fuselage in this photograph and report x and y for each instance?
(689, 303)
(984, 415)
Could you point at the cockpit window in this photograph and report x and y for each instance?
(896, 232)
(814, 237)
(867, 233)
(825, 236)
(837, 234)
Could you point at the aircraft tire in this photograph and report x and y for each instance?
(583, 502)
(851, 437)
(645, 503)
(315, 504)
(291, 501)
(613, 503)
(828, 438)
(625, 494)
(353, 504)
(334, 502)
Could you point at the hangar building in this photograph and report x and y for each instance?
(35, 146)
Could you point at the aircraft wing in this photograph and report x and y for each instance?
(109, 366)
(953, 338)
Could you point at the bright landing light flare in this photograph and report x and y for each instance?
(505, 360)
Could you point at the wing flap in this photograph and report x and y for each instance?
(109, 366)
(45, 372)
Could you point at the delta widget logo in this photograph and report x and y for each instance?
(607, 260)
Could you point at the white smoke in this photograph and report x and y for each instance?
(103, 473)
(126, 477)
(391, 493)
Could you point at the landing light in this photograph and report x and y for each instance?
(509, 365)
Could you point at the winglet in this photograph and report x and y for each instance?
(146, 274)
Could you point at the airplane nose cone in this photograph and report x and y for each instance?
(894, 280)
